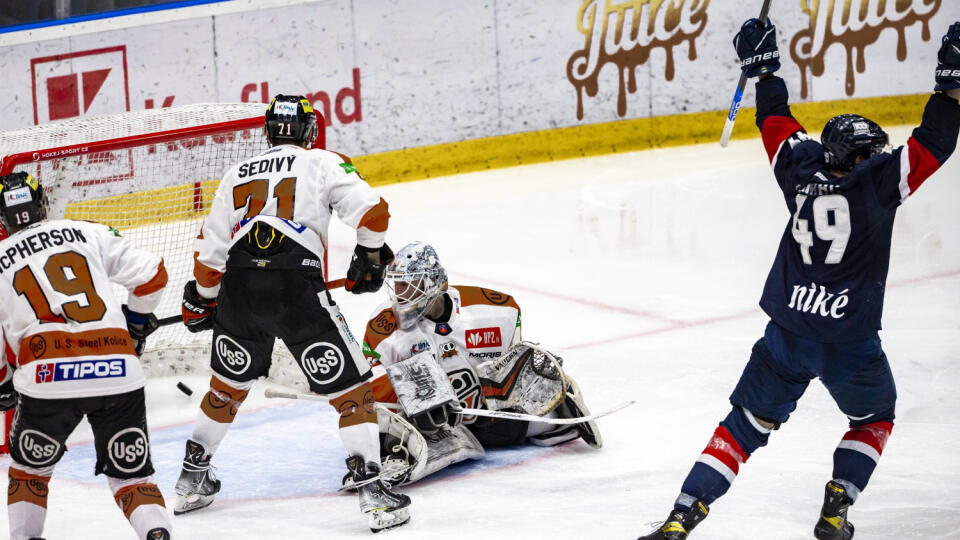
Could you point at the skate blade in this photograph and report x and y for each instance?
(189, 503)
(382, 520)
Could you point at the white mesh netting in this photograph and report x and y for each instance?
(155, 190)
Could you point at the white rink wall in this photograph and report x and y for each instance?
(394, 75)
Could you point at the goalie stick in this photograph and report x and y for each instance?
(173, 319)
(738, 95)
(505, 415)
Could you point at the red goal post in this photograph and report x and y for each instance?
(152, 175)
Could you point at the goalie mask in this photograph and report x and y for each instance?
(415, 280)
(291, 120)
(22, 201)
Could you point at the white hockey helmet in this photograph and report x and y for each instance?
(415, 279)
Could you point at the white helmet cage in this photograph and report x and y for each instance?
(415, 279)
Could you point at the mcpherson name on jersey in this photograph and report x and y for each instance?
(37, 242)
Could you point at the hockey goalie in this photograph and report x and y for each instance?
(436, 350)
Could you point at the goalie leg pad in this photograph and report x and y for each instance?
(405, 449)
(527, 379)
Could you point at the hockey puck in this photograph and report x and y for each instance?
(185, 389)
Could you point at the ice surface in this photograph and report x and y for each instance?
(643, 271)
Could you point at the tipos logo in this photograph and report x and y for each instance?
(323, 362)
(233, 357)
(624, 34)
(37, 448)
(855, 24)
(128, 450)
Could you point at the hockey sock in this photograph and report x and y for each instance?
(26, 502)
(217, 411)
(142, 504)
(734, 440)
(857, 455)
(358, 421)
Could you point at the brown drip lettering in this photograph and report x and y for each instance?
(837, 21)
(651, 24)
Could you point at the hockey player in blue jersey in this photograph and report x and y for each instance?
(824, 293)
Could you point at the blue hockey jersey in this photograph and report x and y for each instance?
(827, 282)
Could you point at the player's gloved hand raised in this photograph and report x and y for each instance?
(367, 268)
(430, 422)
(948, 60)
(756, 46)
(197, 311)
(8, 396)
(140, 325)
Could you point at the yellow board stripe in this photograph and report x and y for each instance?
(611, 137)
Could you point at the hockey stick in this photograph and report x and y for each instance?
(505, 415)
(738, 95)
(173, 319)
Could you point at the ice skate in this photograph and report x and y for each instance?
(385, 508)
(679, 523)
(196, 487)
(833, 524)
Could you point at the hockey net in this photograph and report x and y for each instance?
(152, 175)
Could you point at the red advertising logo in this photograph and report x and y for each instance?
(483, 337)
(83, 83)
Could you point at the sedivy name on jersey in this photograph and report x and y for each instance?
(38, 242)
(268, 165)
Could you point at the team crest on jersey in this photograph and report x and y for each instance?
(84, 369)
(443, 329)
(483, 337)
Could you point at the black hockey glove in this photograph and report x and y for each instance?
(756, 46)
(8, 396)
(948, 66)
(430, 422)
(365, 275)
(197, 311)
(140, 325)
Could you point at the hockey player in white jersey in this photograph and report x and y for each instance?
(259, 276)
(436, 349)
(77, 353)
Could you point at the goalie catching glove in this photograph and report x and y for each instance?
(197, 311)
(140, 325)
(367, 268)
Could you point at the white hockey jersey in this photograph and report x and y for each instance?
(59, 313)
(294, 190)
(483, 325)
